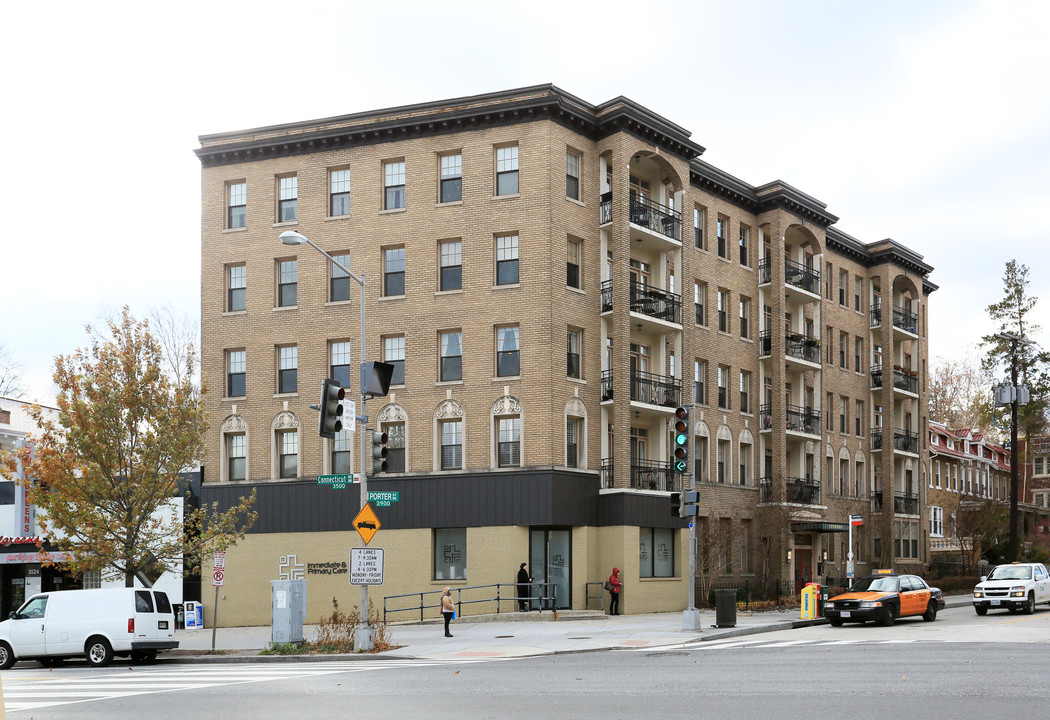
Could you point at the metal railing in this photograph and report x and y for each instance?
(645, 475)
(655, 303)
(765, 271)
(876, 377)
(906, 321)
(803, 347)
(905, 441)
(504, 593)
(656, 217)
(588, 589)
(796, 490)
(606, 295)
(802, 277)
(799, 419)
(607, 386)
(876, 315)
(605, 208)
(904, 380)
(655, 389)
(903, 503)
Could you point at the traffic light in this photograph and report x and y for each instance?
(378, 451)
(681, 440)
(688, 505)
(676, 504)
(331, 409)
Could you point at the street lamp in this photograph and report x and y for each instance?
(363, 640)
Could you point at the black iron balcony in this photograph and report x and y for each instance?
(655, 475)
(765, 490)
(765, 271)
(654, 389)
(876, 438)
(605, 208)
(802, 491)
(906, 381)
(876, 315)
(655, 303)
(802, 347)
(802, 277)
(607, 473)
(799, 419)
(905, 441)
(903, 503)
(906, 321)
(656, 217)
(607, 386)
(765, 343)
(876, 377)
(606, 295)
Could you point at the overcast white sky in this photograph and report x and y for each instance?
(927, 122)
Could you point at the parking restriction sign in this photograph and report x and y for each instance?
(218, 578)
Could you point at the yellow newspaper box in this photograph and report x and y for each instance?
(810, 598)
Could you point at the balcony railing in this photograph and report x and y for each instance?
(605, 208)
(903, 440)
(765, 343)
(655, 303)
(607, 386)
(765, 490)
(876, 377)
(903, 503)
(799, 419)
(906, 321)
(876, 315)
(606, 295)
(802, 491)
(645, 475)
(656, 217)
(655, 389)
(803, 347)
(765, 271)
(903, 380)
(802, 277)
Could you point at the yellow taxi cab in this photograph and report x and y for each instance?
(884, 597)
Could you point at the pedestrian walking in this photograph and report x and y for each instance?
(613, 585)
(523, 587)
(447, 609)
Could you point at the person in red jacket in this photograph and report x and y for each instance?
(614, 592)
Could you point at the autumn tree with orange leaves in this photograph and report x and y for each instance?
(104, 474)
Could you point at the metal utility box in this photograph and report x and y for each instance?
(288, 608)
(725, 608)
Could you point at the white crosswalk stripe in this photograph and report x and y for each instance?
(759, 644)
(28, 689)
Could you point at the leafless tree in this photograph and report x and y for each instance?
(10, 375)
(961, 393)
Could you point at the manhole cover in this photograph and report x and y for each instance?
(503, 637)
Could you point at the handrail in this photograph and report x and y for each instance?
(600, 597)
(459, 602)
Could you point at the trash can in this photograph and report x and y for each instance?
(725, 608)
(810, 598)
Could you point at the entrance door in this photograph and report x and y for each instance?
(550, 557)
(803, 568)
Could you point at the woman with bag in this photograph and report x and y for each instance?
(613, 585)
(447, 609)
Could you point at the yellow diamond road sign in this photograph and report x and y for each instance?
(367, 523)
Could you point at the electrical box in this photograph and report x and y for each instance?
(288, 608)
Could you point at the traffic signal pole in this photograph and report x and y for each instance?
(691, 615)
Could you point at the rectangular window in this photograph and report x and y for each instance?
(829, 412)
(843, 287)
(723, 387)
(288, 450)
(393, 184)
(287, 283)
(341, 447)
(451, 355)
(745, 315)
(722, 461)
(655, 552)
(237, 287)
(858, 284)
(236, 205)
(288, 369)
(506, 259)
(572, 264)
(723, 310)
(572, 353)
(572, 442)
(507, 170)
(829, 343)
(858, 353)
(452, 445)
(700, 302)
(509, 450)
(451, 265)
(338, 280)
(745, 391)
(843, 345)
(572, 175)
(698, 228)
(507, 361)
(339, 363)
(936, 522)
(843, 419)
(450, 554)
(338, 193)
(827, 280)
(1039, 465)
(451, 178)
(858, 418)
(288, 198)
(236, 368)
(700, 382)
(236, 456)
(394, 272)
(395, 447)
(722, 232)
(394, 353)
(744, 242)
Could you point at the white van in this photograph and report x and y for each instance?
(98, 624)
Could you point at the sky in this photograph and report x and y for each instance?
(926, 122)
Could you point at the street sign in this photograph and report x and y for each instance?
(350, 415)
(219, 560)
(366, 566)
(218, 578)
(367, 523)
(856, 519)
(383, 498)
(338, 482)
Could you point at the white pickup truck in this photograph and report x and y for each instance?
(1013, 587)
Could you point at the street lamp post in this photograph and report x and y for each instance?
(1017, 395)
(363, 637)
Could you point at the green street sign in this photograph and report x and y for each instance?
(338, 482)
(382, 498)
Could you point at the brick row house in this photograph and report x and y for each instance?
(550, 280)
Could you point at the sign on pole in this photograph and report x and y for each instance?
(366, 523)
(218, 578)
(383, 498)
(366, 566)
(338, 482)
(350, 415)
(219, 560)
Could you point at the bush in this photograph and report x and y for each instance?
(956, 583)
(336, 634)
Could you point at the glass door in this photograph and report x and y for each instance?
(550, 557)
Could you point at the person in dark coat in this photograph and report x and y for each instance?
(523, 588)
(614, 592)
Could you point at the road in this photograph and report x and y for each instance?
(960, 666)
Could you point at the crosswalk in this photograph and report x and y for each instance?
(29, 689)
(759, 643)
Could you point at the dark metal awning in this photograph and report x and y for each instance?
(819, 527)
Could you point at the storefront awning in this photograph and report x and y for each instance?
(819, 527)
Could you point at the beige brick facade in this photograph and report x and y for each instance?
(631, 308)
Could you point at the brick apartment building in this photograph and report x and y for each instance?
(551, 279)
